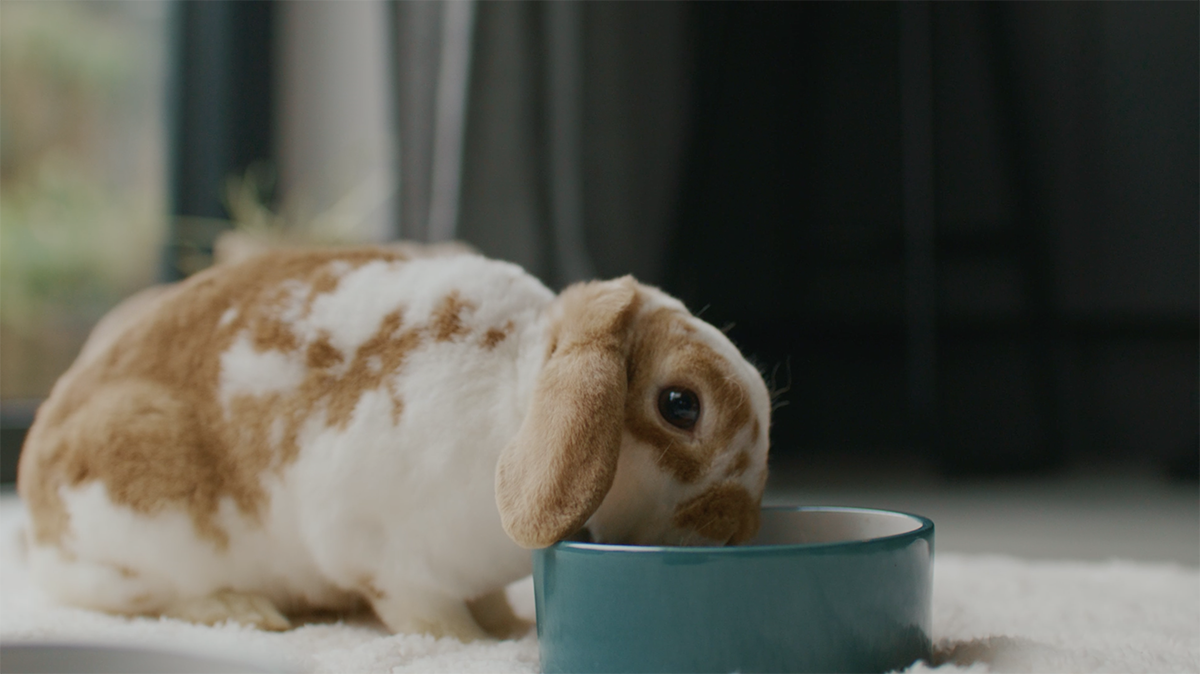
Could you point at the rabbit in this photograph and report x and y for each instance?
(320, 429)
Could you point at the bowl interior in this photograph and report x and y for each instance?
(787, 526)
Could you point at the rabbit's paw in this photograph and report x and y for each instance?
(243, 608)
(426, 613)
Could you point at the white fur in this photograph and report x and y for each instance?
(247, 371)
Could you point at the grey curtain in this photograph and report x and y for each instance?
(548, 134)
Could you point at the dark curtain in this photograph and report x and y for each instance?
(751, 158)
(576, 115)
(1065, 172)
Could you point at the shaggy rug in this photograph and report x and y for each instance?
(990, 614)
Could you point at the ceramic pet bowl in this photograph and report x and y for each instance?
(818, 590)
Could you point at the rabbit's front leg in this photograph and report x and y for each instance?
(417, 611)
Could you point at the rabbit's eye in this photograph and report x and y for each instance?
(679, 406)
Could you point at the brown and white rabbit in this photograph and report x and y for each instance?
(308, 429)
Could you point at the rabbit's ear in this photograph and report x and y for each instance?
(553, 475)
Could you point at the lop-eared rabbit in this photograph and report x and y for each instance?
(315, 428)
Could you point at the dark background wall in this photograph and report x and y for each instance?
(1065, 174)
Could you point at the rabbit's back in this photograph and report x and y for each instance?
(285, 425)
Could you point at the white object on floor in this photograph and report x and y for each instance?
(990, 614)
(1128, 513)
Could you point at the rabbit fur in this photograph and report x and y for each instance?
(317, 429)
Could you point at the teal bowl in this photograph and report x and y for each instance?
(818, 590)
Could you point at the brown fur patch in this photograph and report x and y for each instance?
(270, 334)
(369, 369)
(664, 341)
(48, 514)
(322, 354)
(447, 317)
(376, 358)
(144, 417)
(492, 338)
(724, 512)
(324, 281)
(143, 443)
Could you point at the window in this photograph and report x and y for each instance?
(83, 174)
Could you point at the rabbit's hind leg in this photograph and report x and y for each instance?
(109, 587)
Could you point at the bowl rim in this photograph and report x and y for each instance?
(925, 528)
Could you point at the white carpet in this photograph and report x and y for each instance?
(990, 614)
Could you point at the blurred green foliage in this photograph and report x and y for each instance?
(82, 174)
